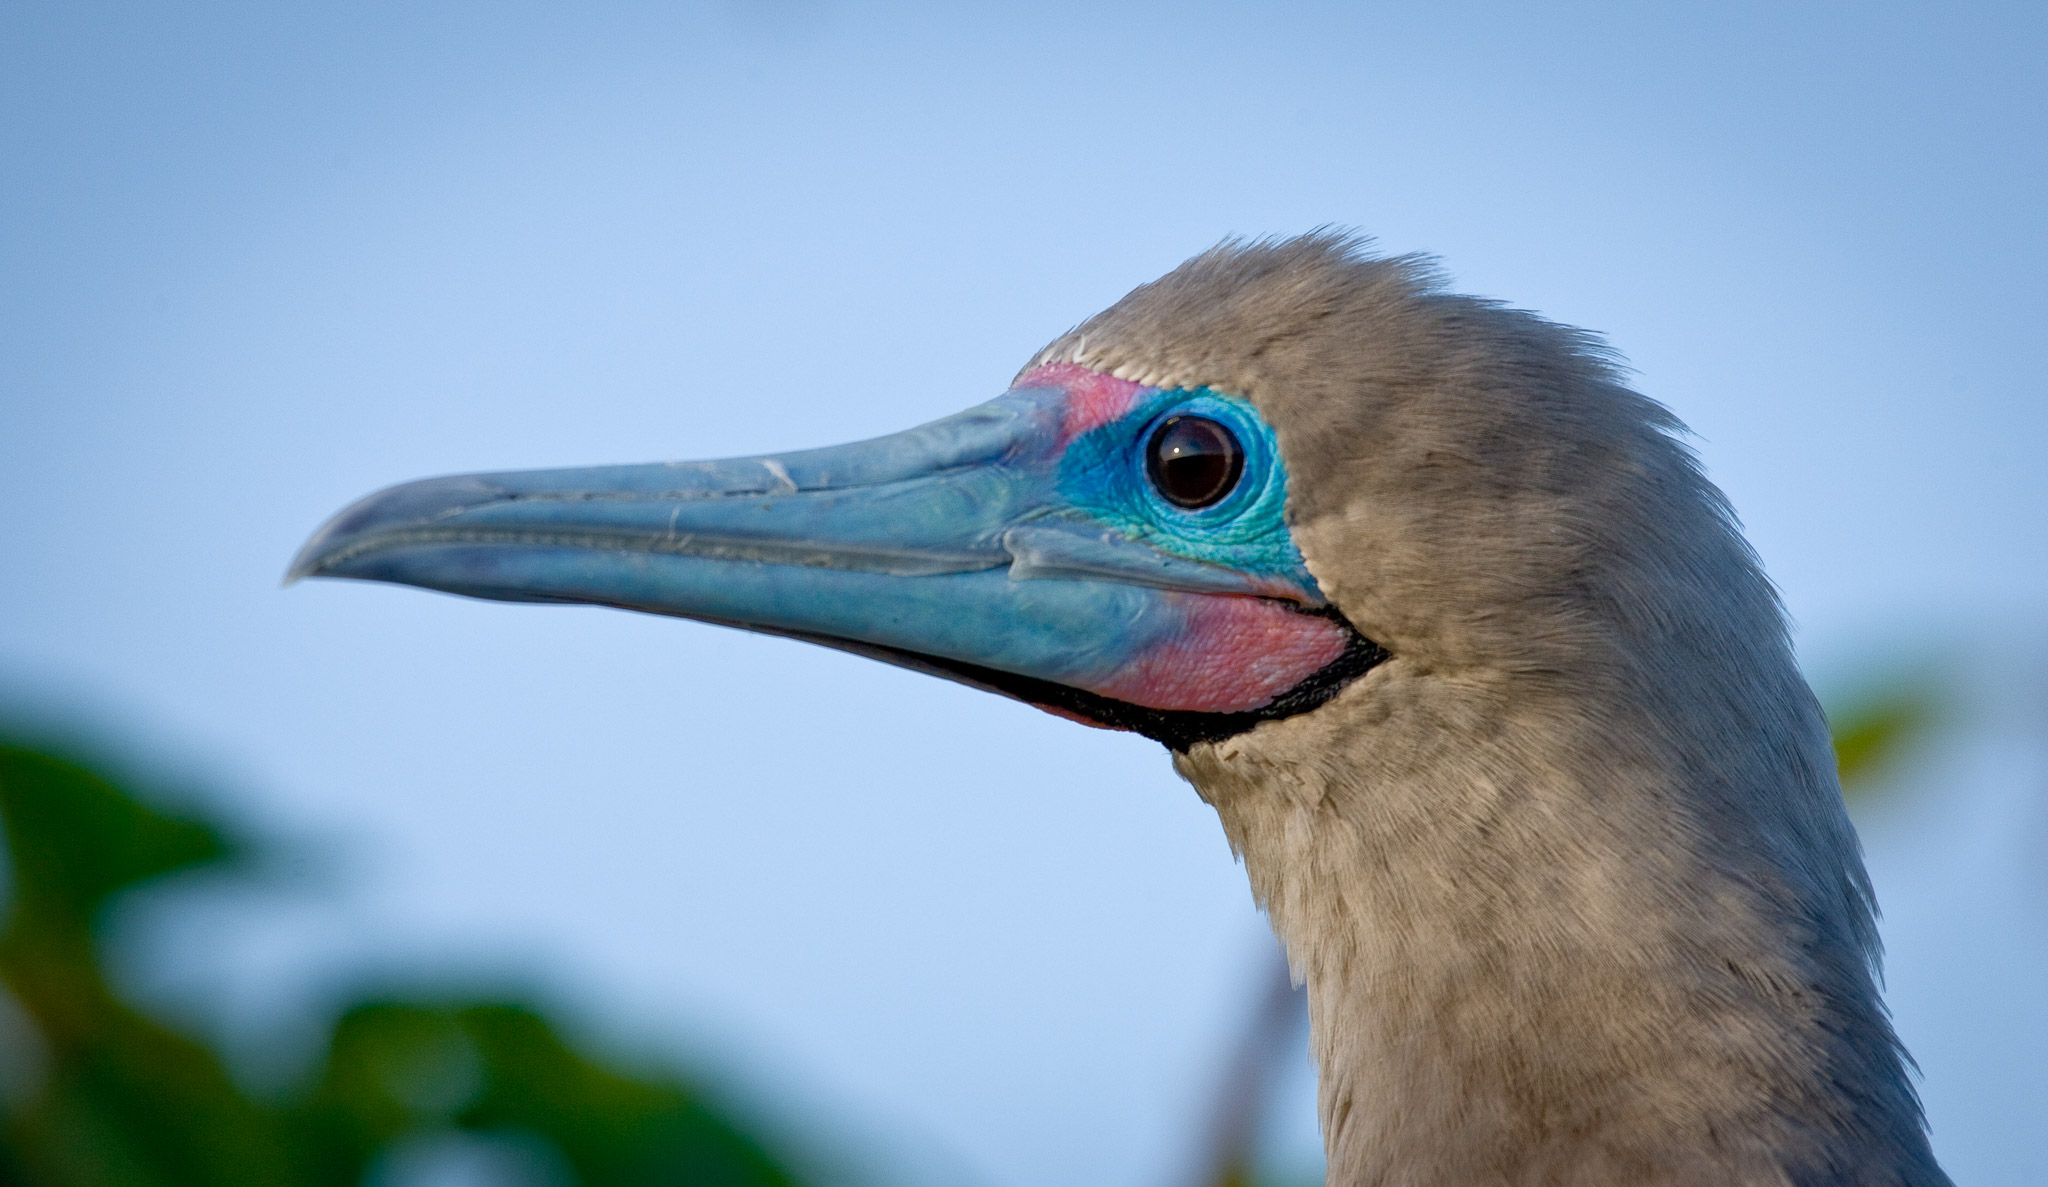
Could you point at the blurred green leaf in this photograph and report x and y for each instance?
(1874, 727)
(75, 839)
(399, 1067)
(123, 1099)
(120, 1100)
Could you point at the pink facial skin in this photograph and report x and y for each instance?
(1093, 399)
(1233, 654)
(1236, 654)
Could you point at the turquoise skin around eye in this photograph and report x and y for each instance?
(1103, 476)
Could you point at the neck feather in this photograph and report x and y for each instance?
(1588, 931)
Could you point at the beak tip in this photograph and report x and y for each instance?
(312, 557)
(305, 564)
(411, 502)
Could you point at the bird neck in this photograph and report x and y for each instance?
(1574, 935)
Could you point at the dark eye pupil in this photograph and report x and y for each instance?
(1193, 461)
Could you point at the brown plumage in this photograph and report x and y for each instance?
(1568, 877)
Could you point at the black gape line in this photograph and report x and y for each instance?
(1178, 729)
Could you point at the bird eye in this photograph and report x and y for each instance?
(1193, 461)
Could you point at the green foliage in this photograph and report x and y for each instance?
(396, 1067)
(1874, 727)
(100, 1095)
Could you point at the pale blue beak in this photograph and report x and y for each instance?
(947, 548)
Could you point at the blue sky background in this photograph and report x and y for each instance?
(258, 259)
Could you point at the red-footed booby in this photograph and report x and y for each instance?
(1493, 700)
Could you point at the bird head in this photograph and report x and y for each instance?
(1215, 504)
(1111, 547)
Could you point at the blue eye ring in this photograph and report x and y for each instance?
(1102, 478)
